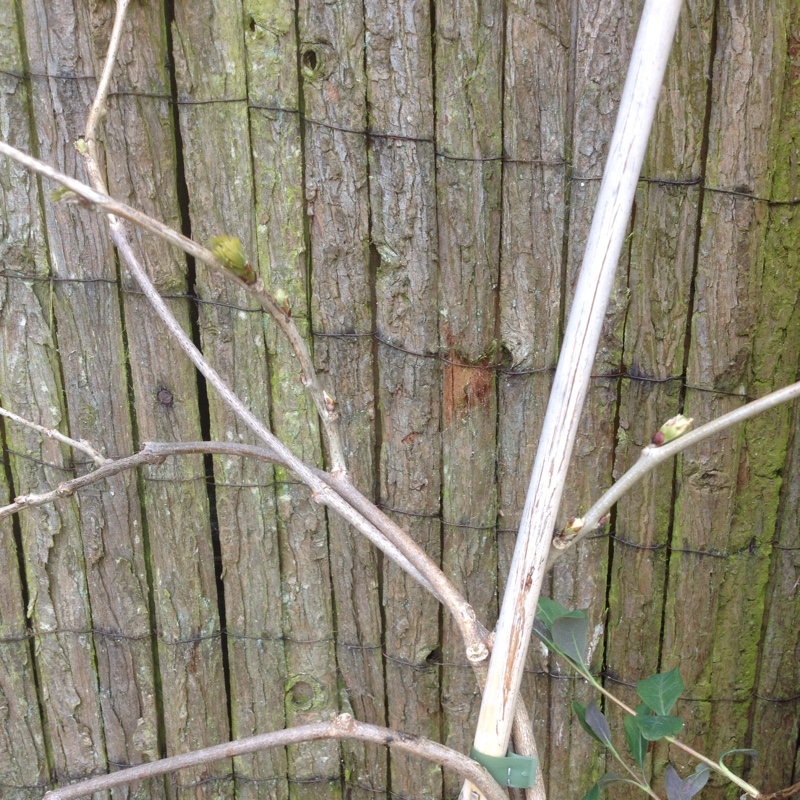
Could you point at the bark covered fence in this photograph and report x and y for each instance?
(420, 179)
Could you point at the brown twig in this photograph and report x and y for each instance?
(343, 727)
(68, 488)
(385, 533)
(52, 433)
(115, 209)
(783, 794)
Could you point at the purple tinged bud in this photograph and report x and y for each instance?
(672, 429)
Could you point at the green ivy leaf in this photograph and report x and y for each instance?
(550, 610)
(580, 713)
(636, 742)
(657, 727)
(542, 632)
(593, 793)
(597, 721)
(678, 789)
(606, 780)
(569, 635)
(661, 691)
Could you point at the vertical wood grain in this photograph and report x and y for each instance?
(468, 67)
(663, 252)
(404, 233)
(23, 758)
(331, 58)
(730, 485)
(142, 168)
(775, 713)
(534, 137)
(601, 51)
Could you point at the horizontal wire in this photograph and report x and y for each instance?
(503, 158)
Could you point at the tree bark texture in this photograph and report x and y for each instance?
(419, 179)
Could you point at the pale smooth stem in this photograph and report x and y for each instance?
(343, 727)
(570, 385)
(52, 433)
(652, 456)
(98, 109)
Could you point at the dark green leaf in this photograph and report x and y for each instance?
(612, 777)
(580, 713)
(593, 793)
(569, 635)
(678, 789)
(542, 632)
(697, 780)
(673, 784)
(549, 610)
(596, 720)
(607, 779)
(636, 742)
(744, 751)
(655, 728)
(661, 691)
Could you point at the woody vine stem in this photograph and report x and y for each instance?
(333, 489)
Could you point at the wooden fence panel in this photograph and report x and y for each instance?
(332, 69)
(601, 51)
(142, 167)
(468, 135)
(84, 268)
(535, 105)
(24, 767)
(402, 199)
(420, 180)
(774, 721)
(729, 491)
(662, 264)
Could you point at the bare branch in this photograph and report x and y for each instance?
(68, 488)
(52, 433)
(570, 384)
(653, 455)
(343, 727)
(321, 492)
(98, 109)
(328, 416)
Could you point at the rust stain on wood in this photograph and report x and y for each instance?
(466, 387)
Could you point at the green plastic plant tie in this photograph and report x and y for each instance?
(518, 772)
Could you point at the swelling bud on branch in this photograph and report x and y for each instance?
(672, 429)
(229, 250)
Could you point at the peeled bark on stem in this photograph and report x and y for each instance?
(634, 121)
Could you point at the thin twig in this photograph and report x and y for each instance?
(741, 783)
(321, 492)
(98, 109)
(653, 455)
(328, 417)
(52, 433)
(68, 488)
(343, 727)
